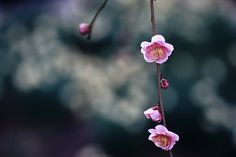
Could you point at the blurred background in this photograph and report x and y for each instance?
(64, 96)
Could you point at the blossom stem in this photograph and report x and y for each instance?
(95, 17)
(159, 95)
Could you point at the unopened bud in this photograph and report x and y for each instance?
(84, 28)
(164, 83)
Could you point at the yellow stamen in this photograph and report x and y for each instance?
(157, 53)
(163, 140)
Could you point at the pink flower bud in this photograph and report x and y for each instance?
(164, 83)
(84, 28)
(153, 113)
(162, 137)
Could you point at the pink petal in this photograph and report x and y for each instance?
(153, 114)
(147, 116)
(152, 131)
(149, 111)
(168, 53)
(174, 136)
(149, 57)
(145, 44)
(160, 129)
(169, 47)
(143, 51)
(162, 60)
(151, 137)
(162, 147)
(158, 145)
(158, 38)
(171, 144)
(156, 116)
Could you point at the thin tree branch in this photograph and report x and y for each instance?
(95, 17)
(159, 95)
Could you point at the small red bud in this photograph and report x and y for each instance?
(84, 28)
(164, 83)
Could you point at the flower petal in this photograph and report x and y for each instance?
(148, 56)
(169, 46)
(171, 145)
(151, 137)
(158, 145)
(158, 38)
(145, 44)
(156, 116)
(162, 60)
(152, 131)
(168, 53)
(160, 129)
(174, 136)
(149, 111)
(147, 116)
(143, 51)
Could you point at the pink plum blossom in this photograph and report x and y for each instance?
(162, 137)
(84, 28)
(157, 50)
(153, 113)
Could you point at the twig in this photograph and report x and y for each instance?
(95, 17)
(159, 96)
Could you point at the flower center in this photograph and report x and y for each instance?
(163, 140)
(157, 53)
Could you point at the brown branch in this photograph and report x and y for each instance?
(95, 17)
(159, 95)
